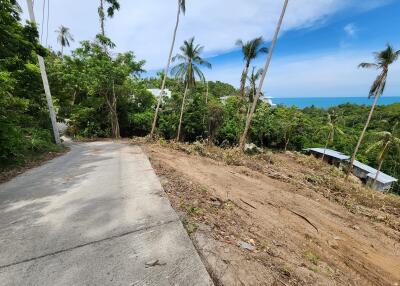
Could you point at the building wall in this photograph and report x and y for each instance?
(379, 186)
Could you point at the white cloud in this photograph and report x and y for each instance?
(146, 26)
(316, 75)
(350, 29)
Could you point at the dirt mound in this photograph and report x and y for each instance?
(280, 219)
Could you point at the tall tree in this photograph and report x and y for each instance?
(188, 70)
(181, 8)
(383, 60)
(331, 128)
(250, 49)
(253, 78)
(260, 85)
(386, 141)
(113, 5)
(64, 36)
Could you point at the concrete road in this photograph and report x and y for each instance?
(95, 216)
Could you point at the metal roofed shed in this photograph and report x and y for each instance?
(331, 156)
(366, 173)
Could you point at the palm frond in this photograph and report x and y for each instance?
(182, 5)
(368, 65)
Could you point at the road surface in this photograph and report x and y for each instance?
(95, 216)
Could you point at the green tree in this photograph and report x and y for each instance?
(63, 38)
(181, 8)
(251, 50)
(331, 128)
(386, 141)
(188, 70)
(113, 5)
(102, 78)
(253, 78)
(383, 60)
(243, 137)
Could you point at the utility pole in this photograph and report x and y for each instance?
(45, 82)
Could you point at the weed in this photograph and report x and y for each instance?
(189, 226)
(310, 256)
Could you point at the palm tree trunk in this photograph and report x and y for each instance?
(377, 173)
(326, 145)
(253, 107)
(353, 157)
(101, 14)
(62, 51)
(182, 108)
(243, 79)
(153, 127)
(206, 101)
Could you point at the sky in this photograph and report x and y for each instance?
(317, 53)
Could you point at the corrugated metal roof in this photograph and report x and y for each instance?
(364, 167)
(329, 152)
(382, 177)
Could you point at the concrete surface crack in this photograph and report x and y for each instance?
(90, 243)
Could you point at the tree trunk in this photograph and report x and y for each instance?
(62, 51)
(287, 142)
(326, 145)
(153, 126)
(353, 157)
(243, 79)
(101, 15)
(182, 108)
(253, 107)
(377, 173)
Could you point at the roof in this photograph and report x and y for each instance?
(382, 177)
(329, 152)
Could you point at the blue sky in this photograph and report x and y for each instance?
(317, 53)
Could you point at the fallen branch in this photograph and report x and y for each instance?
(250, 205)
(306, 219)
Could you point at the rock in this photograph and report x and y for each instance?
(245, 245)
(252, 148)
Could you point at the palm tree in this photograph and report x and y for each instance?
(64, 36)
(332, 128)
(386, 141)
(253, 78)
(188, 70)
(181, 8)
(113, 6)
(383, 60)
(250, 49)
(260, 85)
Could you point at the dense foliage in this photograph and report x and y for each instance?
(24, 122)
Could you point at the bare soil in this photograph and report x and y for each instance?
(280, 219)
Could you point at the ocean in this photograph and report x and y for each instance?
(326, 102)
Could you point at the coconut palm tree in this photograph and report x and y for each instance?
(331, 128)
(188, 70)
(383, 60)
(253, 78)
(181, 9)
(386, 141)
(250, 49)
(113, 5)
(260, 84)
(64, 37)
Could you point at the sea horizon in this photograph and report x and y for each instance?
(327, 102)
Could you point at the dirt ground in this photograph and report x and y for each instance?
(280, 219)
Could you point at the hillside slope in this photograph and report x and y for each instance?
(280, 219)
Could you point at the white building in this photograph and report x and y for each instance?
(156, 92)
(268, 99)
